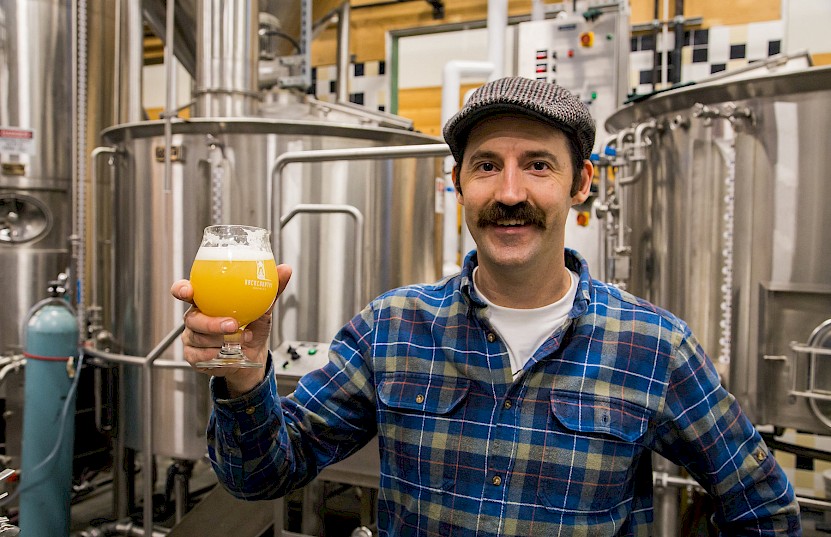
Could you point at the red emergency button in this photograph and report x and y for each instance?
(587, 39)
(583, 218)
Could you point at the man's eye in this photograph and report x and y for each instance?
(540, 166)
(487, 167)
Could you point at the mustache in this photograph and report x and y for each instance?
(496, 211)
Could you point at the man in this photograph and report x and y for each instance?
(519, 397)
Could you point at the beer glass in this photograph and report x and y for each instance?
(234, 275)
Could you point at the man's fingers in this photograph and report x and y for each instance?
(198, 322)
(284, 272)
(182, 290)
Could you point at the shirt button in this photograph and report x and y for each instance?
(419, 398)
(496, 480)
(491, 337)
(250, 410)
(760, 455)
(507, 404)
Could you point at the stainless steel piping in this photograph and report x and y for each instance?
(130, 54)
(275, 186)
(343, 54)
(170, 92)
(146, 364)
(226, 83)
(94, 211)
(79, 168)
(358, 217)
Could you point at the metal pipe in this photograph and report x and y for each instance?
(130, 53)
(678, 29)
(170, 91)
(637, 157)
(343, 54)
(275, 186)
(147, 378)
(94, 210)
(358, 217)
(15, 365)
(497, 29)
(79, 168)
(226, 83)
(665, 41)
(147, 389)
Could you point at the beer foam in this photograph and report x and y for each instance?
(232, 253)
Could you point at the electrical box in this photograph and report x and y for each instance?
(585, 51)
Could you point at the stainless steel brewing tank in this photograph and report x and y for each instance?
(728, 229)
(221, 171)
(36, 150)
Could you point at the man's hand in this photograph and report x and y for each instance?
(202, 337)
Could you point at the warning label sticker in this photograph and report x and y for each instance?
(17, 140)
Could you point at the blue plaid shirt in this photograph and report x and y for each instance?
(563, 448)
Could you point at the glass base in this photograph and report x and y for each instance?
(228, 362)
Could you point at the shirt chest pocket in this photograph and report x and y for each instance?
(591, 452)
(419, 434)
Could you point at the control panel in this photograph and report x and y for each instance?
(585, 51)
(293, 359)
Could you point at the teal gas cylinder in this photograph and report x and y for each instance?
(51, 346)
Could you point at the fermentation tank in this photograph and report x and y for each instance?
(222, 173)
(162, 182)
(726, 215)
(36, 144)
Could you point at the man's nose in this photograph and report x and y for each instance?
(511, 186)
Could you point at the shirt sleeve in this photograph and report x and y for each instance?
(705, 431)
(263, 446)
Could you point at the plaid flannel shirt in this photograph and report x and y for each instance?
(563, 448)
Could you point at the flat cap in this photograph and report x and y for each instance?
(546, 102)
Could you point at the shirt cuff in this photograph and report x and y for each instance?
(250, 407)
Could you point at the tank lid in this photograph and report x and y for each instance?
(726, 90)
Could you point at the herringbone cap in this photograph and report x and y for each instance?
(547, 102)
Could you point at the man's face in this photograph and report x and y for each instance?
(515, 178)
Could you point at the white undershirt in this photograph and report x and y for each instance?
(524, 330)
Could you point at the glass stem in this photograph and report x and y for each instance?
(232, 344)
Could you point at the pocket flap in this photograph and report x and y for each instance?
(590, 413)
(423, 392)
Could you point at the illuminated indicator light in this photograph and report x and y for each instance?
(541, 68)
(583, 218)
(541, 54)
(570, 53)
(594, 95)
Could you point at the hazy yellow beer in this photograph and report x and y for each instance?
(236, 282)
(234, 275)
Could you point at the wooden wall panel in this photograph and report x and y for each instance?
(423, 107)
(369, 25)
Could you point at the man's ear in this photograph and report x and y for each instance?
(454, 174)
(586, 174)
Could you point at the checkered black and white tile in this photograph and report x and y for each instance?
(706, 52)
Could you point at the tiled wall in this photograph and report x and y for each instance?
(806, 474)
(368, 84)
(706, 52)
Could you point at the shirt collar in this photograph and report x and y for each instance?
(574, 262)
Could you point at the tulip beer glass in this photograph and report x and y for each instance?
(234, 275)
